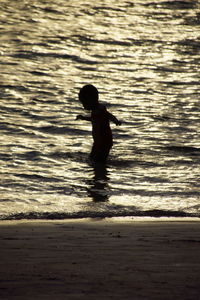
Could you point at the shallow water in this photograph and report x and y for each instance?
(144, 57)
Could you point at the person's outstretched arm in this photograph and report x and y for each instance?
(86, 118)
(114, 119)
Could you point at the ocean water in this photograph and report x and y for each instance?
(144, 57)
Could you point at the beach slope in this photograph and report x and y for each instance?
(100, 259)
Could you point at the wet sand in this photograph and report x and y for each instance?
(100, 259)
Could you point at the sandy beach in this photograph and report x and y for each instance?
(100, 259)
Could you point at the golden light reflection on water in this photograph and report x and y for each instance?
(144, 59)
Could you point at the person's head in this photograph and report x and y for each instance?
(89, 96)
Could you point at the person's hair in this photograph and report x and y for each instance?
(89, 96)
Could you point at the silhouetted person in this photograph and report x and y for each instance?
(100, 119)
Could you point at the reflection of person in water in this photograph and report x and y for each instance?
(98, 186)
(100, 118)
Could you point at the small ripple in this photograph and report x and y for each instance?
(38, 177)
(61, 130)
(32, 55)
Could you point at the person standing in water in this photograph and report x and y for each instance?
(100, 119)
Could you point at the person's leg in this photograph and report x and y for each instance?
(100, 154)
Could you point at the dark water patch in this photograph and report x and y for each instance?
(108, 8)
(12, 129)
(74, 156)
(62, 190)
(31, 55)
(192, 20)
(190, 4)
(188, 46)
(39, 73)
(7, 63)
(87, 68)
(7, 201)
(48, 93)
(195, 43)
(37, 177)
(35, 116)
(17, 187)
(179, 62)
(155, 179)
(51, 10)
(62, 130)
(167, 69)
(44, 99)
(183, 161)
(162, 118)
(5, 157)
(148, 164)
(183, 149)
(121, 162)
(93, 215)
(54, 40)
(44, 84)
(60, 155)
(105, 42)
(30, 155)
(25, 113)
(10, 109)
(174, 4)
(180, 83)
(4, 126)
(20, 88)
(180, 192)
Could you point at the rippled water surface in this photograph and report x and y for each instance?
(144, 57)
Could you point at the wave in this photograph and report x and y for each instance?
(31, 55)
(90, 214)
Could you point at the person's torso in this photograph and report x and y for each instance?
(101, 130)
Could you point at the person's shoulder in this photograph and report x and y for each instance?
(102, 107)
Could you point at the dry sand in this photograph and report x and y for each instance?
(100, 259)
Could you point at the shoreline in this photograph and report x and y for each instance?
(114, 219)
(113, 258)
